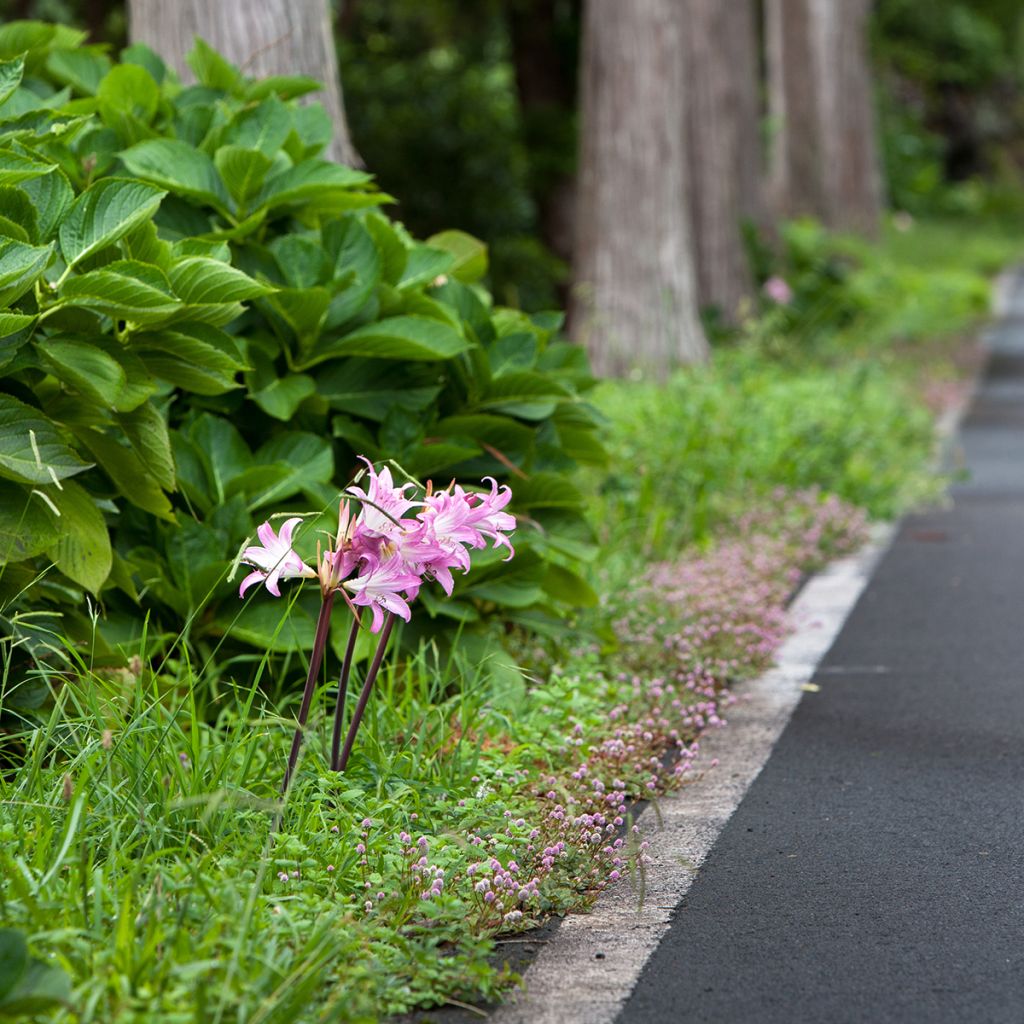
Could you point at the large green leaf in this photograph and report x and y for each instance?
(104, 213)
(125, 290)
(524, 393)
(86, 368)
(128, 473)
(242, 170)
(26, 529)
(264, 127)
(52, 196)
(357, 262)
(281, 397)
(212, 69)
(146, 430)
(305, 181)
(32, 450)
(371, 390)
(128, 98)
(469, 254)
(307, 458)
(21, 265)
(195, 356)
(414, 338)
(178, 167)
(82, 550)
(546, 490)
(200, 281)
(42, 987)
(15, 168)
(82, 69)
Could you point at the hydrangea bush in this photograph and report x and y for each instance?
(203, 321)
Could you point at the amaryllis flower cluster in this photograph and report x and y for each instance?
(382, 555)
(379, 559)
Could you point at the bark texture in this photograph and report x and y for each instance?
(723, 145)
(824, 155)
(263, 37)
(634, 296)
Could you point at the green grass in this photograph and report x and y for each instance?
(143, 842)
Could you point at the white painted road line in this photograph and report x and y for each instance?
(587, 971)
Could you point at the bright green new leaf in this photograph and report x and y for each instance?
(32, 450)
(104, 213)
(242, 171)
(212, 69)
(286, 86)
(11, 72)
(128, 90)
(469, 254)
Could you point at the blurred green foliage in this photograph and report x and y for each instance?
(950, 103)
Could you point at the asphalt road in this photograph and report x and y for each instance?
(875, 870)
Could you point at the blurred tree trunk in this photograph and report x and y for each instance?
(852, 171)
(723, 140)
(263, 37)
(546, 86)
(825, 157)
(634, 299)
(795, 181)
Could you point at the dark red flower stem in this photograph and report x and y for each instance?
(315, 660)
(339, 707)
(371, 676)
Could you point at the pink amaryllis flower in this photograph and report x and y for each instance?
(273, 558)
(487, 517)
(383, 504)
(380, 588)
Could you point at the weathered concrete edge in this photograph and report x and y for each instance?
(590, 967)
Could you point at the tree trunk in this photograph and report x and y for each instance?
(824, 158)
(795, 182)
(634, 300)
(722, 145)
(263, 37)
(851, 169)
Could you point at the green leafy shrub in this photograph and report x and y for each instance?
(717, 439)
(203, 320)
